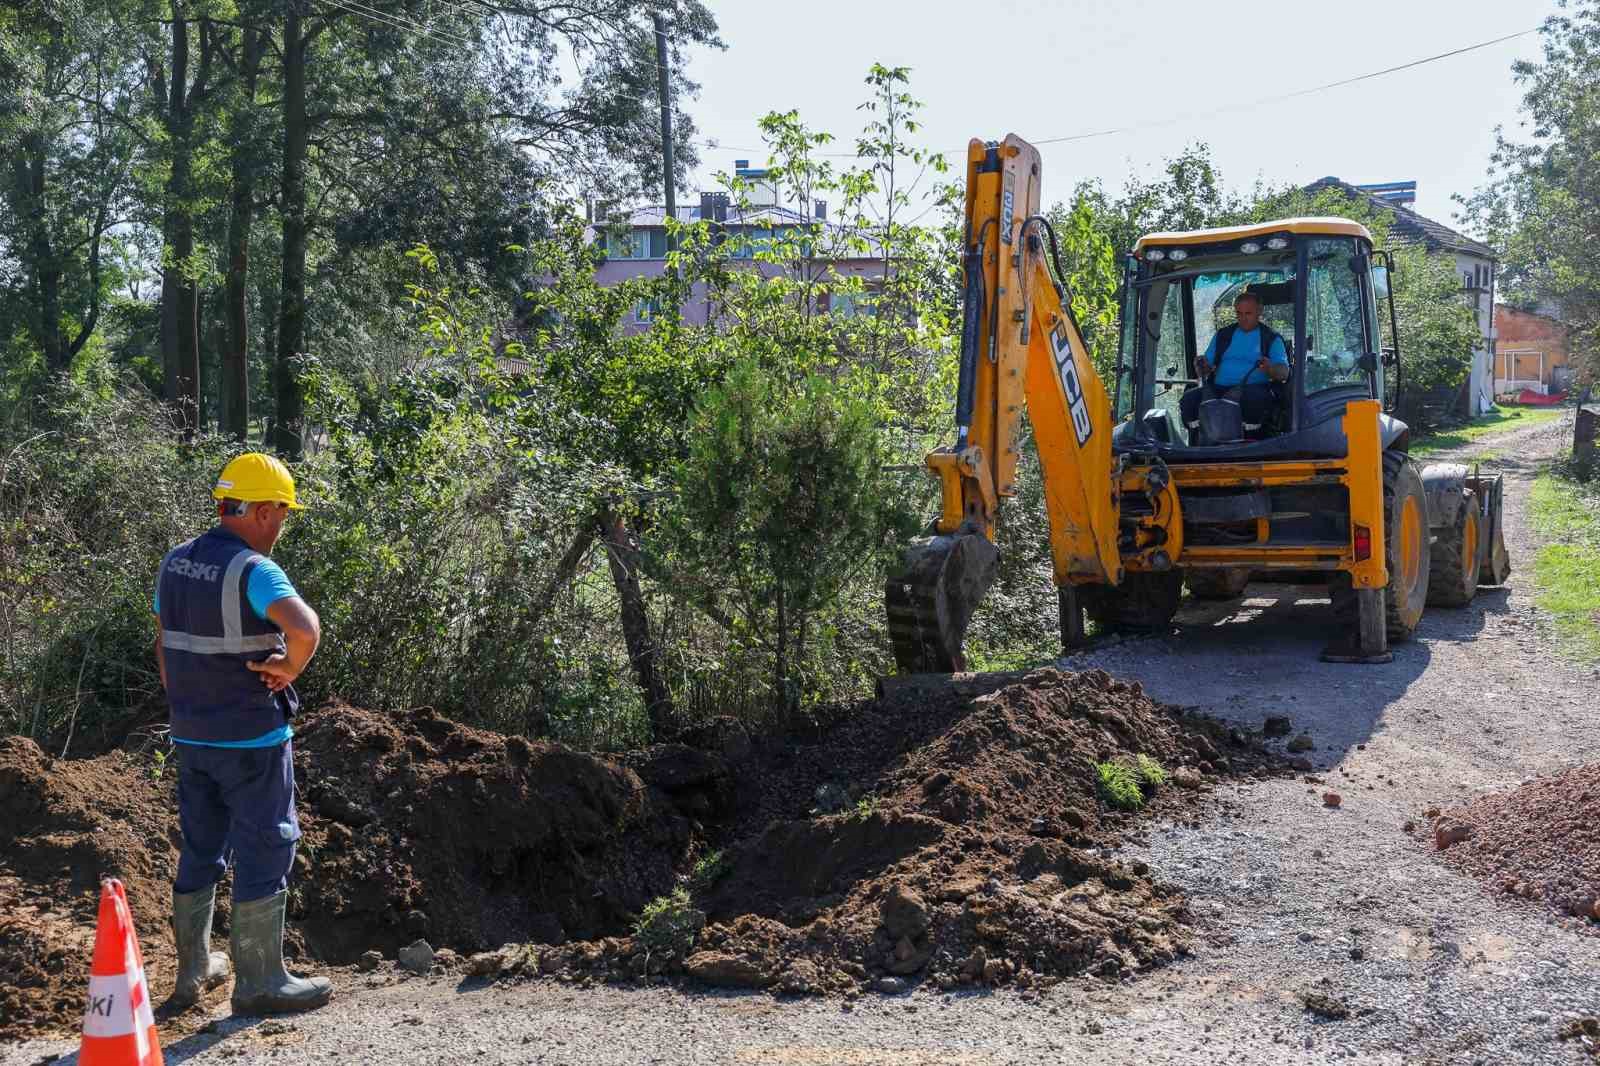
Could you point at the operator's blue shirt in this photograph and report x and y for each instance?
(1238, 366)
(267, 585)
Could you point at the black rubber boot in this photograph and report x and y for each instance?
(263, 986)
(199, 968)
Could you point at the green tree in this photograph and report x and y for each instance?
(1541, 208)
(784, 501)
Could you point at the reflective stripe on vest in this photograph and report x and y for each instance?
(233, 641)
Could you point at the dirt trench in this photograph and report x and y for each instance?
(955, 835)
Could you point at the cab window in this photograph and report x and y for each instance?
(1335, 338)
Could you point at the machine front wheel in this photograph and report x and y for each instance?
(1145, 602)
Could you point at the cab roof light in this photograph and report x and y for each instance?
(1250, 247)
(1177, 255)
(1155, 255)
(1277, 244)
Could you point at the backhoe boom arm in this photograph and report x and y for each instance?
(1020, 346)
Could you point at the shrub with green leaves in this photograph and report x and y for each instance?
(1151, 775)
(1119, 786)
(784, 501)
(668, 925)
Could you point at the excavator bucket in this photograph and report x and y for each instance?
(1490, 493)
(932, 599)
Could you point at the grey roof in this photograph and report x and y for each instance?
(1409, 227)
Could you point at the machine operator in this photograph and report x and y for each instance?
(1252, 358)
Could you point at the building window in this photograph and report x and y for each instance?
(637, 244)
(646, 311)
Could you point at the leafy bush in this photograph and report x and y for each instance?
(668, 925)
(783, 502)
(92, 495)
(1119, 786)
(1151, 775)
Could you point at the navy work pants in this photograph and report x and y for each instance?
(1255, 404)
(237, 804)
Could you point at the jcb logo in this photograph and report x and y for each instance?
(198, 571)
(1067, 367)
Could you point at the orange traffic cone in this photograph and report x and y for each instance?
(119, 1028)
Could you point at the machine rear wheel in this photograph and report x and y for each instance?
(1456, 557)
(1144, 602)
(1405, 545)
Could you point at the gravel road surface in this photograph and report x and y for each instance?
(1296, 900)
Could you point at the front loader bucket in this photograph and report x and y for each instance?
(1495, 567)
(931, 601)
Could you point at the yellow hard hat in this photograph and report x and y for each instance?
(256, 477)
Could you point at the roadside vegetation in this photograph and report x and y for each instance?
(1565, 510)
(1504, 420)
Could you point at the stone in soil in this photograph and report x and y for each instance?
(1303, 742)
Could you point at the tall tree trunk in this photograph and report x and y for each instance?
(180, 341)
(642, 651)
(43, 268)
(287, 426)
(236, 353)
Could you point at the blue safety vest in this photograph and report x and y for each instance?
(208, 633)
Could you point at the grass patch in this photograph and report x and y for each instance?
(668, 925)
(865, 808)
(1502, 421)
(1119, 785)
(1566, 570)
(1150, 771)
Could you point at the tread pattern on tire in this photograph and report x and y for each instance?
(1452, 577)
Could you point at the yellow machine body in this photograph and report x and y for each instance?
(1112, 517)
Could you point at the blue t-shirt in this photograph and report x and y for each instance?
(1238, 364)
(266, 586)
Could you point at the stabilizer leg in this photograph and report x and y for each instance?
(1370, 641)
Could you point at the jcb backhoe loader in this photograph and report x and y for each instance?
(1322, 489)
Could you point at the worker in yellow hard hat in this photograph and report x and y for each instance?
(233, 636)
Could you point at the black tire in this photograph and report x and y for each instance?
(1407, 593)
(1456, 556)
(1217, 584)
(1144, 602)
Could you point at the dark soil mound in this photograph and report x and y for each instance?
(946, 832)
(63, 826)
(414, 826)
(418, 826)
(1539, 842)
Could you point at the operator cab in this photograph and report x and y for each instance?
(1318, 287)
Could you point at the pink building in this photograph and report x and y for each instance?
(636, 245)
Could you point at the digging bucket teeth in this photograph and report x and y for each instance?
(932, 599)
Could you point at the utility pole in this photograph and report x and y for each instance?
(666, 124)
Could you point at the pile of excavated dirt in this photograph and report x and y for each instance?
(953, 832)
(1540, 841)
(64, 825)
(950, 833)
(414, 826)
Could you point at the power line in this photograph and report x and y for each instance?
(1156, 123)
(398, 22)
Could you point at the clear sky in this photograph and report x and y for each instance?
(988, 67)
